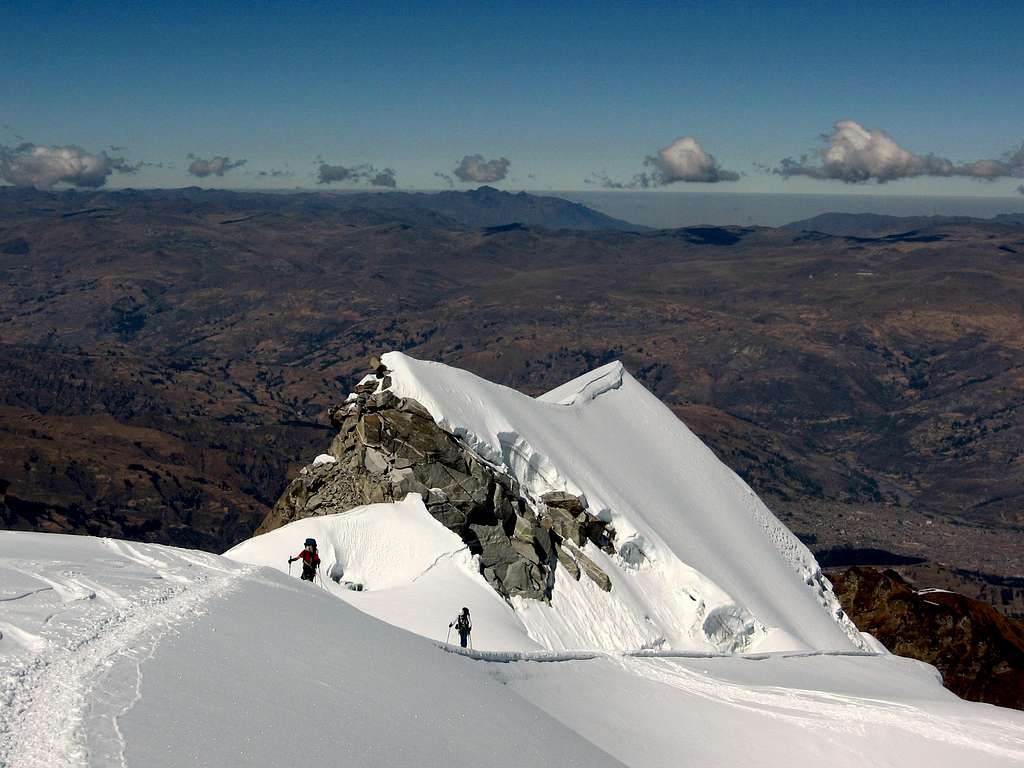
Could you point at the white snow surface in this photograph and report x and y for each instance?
(703, 564)
(413, 572)
(122, 654)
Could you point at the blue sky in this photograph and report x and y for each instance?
(563, 92)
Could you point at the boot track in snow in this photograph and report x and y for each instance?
(60, 706)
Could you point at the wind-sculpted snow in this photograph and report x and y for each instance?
(396, 562)
(117, 654)
(702, 563)
(505, 657)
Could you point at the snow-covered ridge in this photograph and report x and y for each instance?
(396, 562)
(588, 386)
(702, 563)
(114, 653)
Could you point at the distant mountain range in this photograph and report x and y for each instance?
(875, 224)
(481, 208)
(490, 207)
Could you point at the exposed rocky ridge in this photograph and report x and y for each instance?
(388, 447)
(979, 652)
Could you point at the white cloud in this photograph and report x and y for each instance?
(215, 166)
(31, 165)
(684, 160)
(855, 154)
(474, 168)
(356, 174)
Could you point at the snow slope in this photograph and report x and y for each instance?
(414, 572)
(128, 654)
(122, 654)
(703, 563)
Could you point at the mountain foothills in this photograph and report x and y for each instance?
(169, 357)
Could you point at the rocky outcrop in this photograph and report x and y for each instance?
(388, 447)
(979, 652)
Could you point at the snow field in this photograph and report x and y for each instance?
(153, 656)
(72, 649)
(728, 711)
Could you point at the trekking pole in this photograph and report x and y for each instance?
(289, 567)
(449, 635)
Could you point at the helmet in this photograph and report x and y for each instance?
(311, 543)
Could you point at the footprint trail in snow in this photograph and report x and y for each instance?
(78, 624)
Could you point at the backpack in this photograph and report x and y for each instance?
(462, 623)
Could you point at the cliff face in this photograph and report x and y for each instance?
(979, 652)
(388, 447)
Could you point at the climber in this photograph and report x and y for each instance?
(310, 560)
(463, 625)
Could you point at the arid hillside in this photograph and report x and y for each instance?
(979, 652)
(168, 359)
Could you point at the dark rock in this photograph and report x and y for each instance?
(366, 387)
(416, 408)
(524, 578)
(567, 561)
(369, 429)
(450, 516)
(388, 447)
(546, 541)
(336, 415)
(436, 496)
(404, 482)
(565, 525)
(384, 399)
(592, 570)
(565, 501)
(375, 461)
(321, 490)
(979, 652)
(526, 550)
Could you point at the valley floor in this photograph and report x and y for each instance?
(115, 653)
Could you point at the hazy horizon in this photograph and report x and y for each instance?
(667, 209)
(773, 209)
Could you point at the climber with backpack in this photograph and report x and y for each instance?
(310, 560)
(463, 625)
